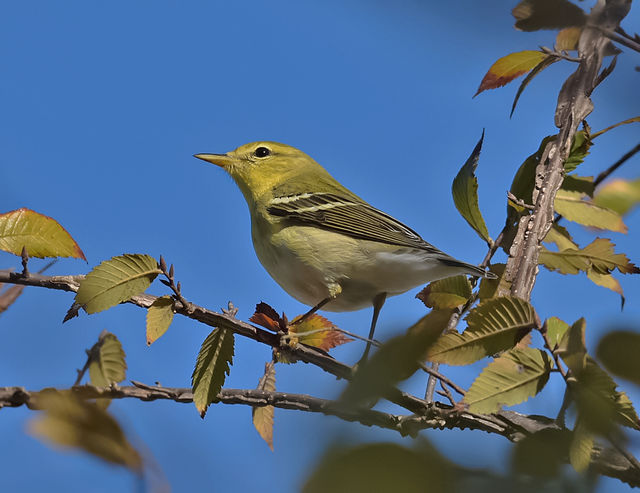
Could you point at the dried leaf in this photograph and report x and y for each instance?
(509, 67)
(598, 255)
(159, 318)
(115, 281)
(263, 415)
(495, 325)
(510, 379)
(41, 235)
(212, 366)
(533, 15)
(267, 317)
(465, 193)
(317, 331)
(446, 293)
(69, 422)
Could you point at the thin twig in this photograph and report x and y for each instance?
(605, 174)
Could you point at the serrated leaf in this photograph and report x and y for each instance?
(40, 235)
(495, 325)
(71, 423)
(317, 331)
(581, 447)
(381, 467)
(607, 281)
(567, 39)
(533, 15)
(509, 67)
(115, 281)
(108, 363)
(598, 255)
(263, 415)
(212, 367)
(619, 195)
(635, 119)
(542, 453)
(571, 206)
(465, 193)
(546, 62)
(159, 318)
(510, 379)
(395, 360)
(489, 288)
(580, 147)
(446, 293)
(560, 237)
(556, 329)
(618, 351)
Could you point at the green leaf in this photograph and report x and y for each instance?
(533, 15)
(212, 366)
(159, 318)
(582, 185)
(115, 281)
(510, 67)
(40, 235)
(381, 467)
(263, 415)
(549, 60)
(465, 193)
(107, 364)
(579, 151)
(581, 447)
(494, 325)
(542, 454)
(559, 236)
(618, 351)
(69, 422)
(510, 379)
(598, 255)
(446, 293)
(556, 329)
(572, 347)
(395, 360)
(619, 195)
(571, 206)
(489, 288)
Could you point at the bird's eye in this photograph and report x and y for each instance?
(262, 152)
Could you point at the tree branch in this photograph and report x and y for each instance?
(574, 104)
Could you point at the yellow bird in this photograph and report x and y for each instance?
(323, 244)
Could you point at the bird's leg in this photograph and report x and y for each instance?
(378, 301)
(334, 290)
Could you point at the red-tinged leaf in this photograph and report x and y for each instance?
(40, 235)
(567, 39)
(509, 67)
(317, 331)
(265, 316)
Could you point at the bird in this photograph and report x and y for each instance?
(325, 246)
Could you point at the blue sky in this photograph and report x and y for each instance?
(102, 106)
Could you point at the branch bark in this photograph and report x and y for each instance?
(574, 105)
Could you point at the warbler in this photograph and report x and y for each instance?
(323, 244)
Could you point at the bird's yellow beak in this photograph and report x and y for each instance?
(222, 160)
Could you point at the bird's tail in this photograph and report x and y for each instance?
(470, 269)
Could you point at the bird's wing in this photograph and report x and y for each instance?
(349, 216)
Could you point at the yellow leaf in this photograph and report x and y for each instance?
(317, 331)
(572, 207)
(40, 235)
(263, 415)
(567, 39)
(159, 318)
(509, 67)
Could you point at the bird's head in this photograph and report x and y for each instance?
(260, 166)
